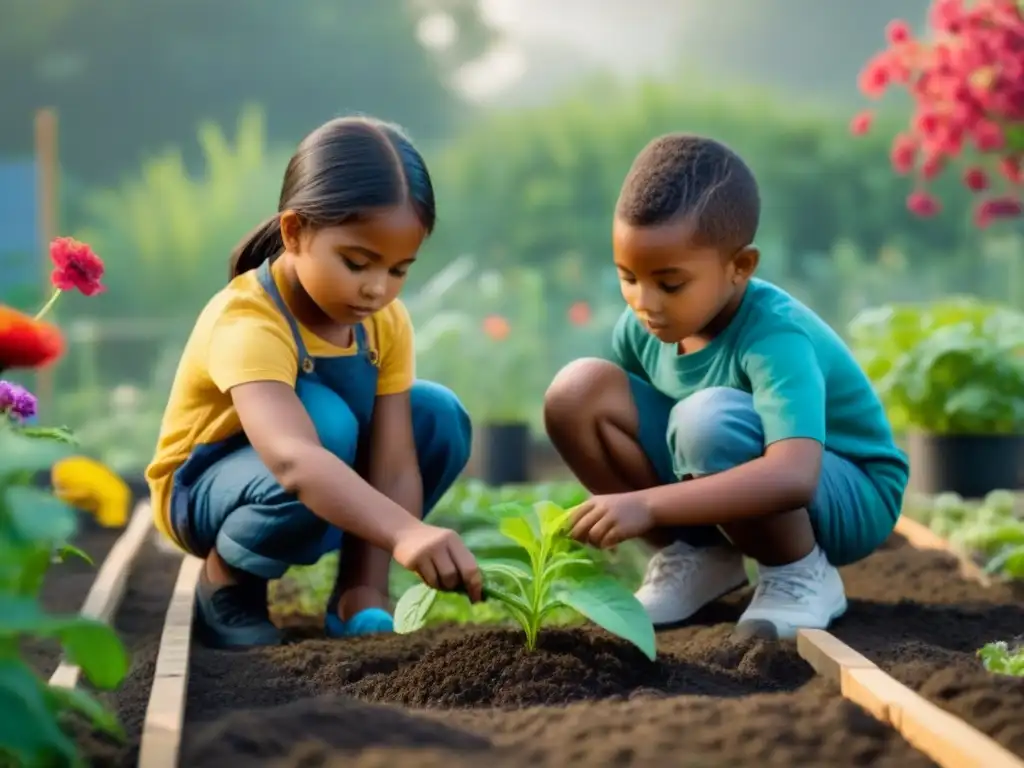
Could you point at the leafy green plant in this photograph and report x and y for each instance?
(950, 367)
(991, 531)
(544, 570)
(35, 531)
(1003, 659)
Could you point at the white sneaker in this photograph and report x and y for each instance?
(680, 580)
(807, 594)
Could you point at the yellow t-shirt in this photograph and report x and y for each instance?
(241, 336)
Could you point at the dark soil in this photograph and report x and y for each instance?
(458, 696)
(461, 697)
(139, 622)
(919, 620)
(67, 584)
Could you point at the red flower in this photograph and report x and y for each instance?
(27, 343)
(965, 78)
(1010, 167)
(861, 123)
(975, 179)
(997, 208)
(579, 313)
(496, 327)
(897, 32)
(903, 154)
(922, 204)
(75, 266)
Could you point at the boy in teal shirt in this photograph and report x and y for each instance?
(731, 419)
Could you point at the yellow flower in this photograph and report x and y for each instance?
(92, 487)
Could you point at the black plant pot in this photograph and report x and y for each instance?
(970, 465)
(506, 453)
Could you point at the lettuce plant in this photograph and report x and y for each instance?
(1002, 659)
(543, 570)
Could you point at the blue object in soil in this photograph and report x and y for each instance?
(367, 622)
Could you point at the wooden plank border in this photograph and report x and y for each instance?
(921, 537)
(165, 713)
(107, 590)
(943, 737)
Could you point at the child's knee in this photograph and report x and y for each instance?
(713, 430)
(336, 425)
(441, 425)
(584, 391)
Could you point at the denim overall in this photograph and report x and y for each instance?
(225, 497)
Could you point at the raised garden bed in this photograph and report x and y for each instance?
(457, 695)
(138, 622)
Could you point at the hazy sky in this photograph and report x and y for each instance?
(624, 36)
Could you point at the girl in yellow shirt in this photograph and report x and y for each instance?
(295, 414)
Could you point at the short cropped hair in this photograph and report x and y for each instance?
(681, 176)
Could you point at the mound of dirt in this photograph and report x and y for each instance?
(495, 669)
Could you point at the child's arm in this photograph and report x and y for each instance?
(788, 389)
(789, 397)
(280, 430)
(394, 471)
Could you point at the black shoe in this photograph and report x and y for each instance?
(234, 615)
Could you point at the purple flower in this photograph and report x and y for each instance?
(16, 401)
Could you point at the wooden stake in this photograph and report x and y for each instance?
(47, 170)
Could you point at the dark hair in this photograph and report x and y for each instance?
(339, 173)
(681, 176)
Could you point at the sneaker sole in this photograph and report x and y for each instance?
(762, 629)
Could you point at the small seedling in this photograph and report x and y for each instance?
(1002, 659)
(546, 570)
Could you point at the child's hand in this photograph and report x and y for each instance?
(440, 558)
(605, 521)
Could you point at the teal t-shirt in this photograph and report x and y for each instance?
(803, 378)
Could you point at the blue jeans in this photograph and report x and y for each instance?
(717, 429)
(237, 506)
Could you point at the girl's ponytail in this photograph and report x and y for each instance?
(262, 243)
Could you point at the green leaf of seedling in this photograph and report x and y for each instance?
(517, 607)
(522, 533)
(487, 541)
(38, 516)
(552, 519)
(572, 568)
(613, 607)
(516, 570)
(511, 600)
(29, 731)
(412, 608)
(79, 701)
